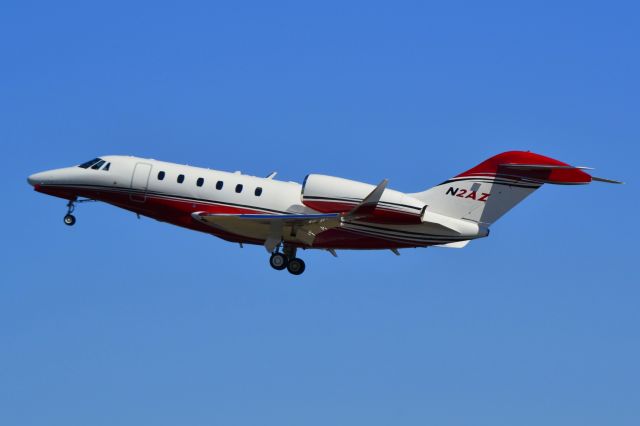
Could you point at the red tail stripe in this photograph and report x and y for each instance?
(561, 176)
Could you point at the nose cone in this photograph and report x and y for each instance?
(48, 177)
(55, 182)
(37, 178)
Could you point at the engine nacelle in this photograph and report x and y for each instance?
(330, 194)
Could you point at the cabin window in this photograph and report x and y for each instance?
(89, 163)
(239, 188)
(200, 181)
(106, 167)
(160, 175)
(219, 185)
(180, 178)
(98, 165)
(258, 192)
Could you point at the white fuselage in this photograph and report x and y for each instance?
(172, 192)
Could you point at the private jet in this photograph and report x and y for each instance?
(324, 212)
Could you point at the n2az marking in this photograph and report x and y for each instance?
(465, 193)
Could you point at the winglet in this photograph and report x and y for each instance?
(370, 202)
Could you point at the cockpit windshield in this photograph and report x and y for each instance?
(90, 163)
(96, 164)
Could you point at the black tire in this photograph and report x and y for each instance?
(278, 261)
(69, 220)
(296, 266)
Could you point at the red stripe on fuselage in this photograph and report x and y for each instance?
(177, 211)
(379, 215)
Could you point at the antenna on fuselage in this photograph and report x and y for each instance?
(271, 175)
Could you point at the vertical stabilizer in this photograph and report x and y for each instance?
(487, 191)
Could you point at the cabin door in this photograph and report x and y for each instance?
(140, 182)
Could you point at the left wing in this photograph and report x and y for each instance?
(302, 228)
(272, 228)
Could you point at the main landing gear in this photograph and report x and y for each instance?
(287, 260)
(70, 219)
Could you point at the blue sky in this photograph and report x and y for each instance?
(126, 321)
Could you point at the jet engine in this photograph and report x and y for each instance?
(330, 194)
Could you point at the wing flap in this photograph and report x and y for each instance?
(272, 228)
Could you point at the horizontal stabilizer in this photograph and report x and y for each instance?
(542, 167)
(551, 167)
(597, 179)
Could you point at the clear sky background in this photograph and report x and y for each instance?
(120, 321)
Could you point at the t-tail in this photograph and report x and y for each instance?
(487, 191)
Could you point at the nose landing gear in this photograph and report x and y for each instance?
(70, 219)
(287, 260)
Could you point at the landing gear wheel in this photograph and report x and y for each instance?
(278, 261)
(296, 266)
(69, 220)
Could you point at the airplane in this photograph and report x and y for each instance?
(324, 212)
